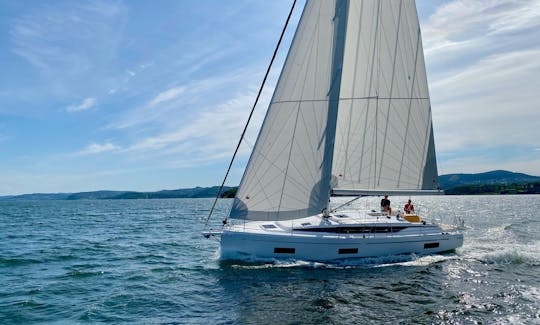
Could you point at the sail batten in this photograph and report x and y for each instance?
(351, 110)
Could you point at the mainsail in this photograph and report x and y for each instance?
(384, 134)
(351, 110)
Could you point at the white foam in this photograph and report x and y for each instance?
(383, 261)
(502, 252)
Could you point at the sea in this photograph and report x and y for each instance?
(145, 262)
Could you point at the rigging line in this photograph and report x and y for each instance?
(251, 113)
(288, 161)
(346, 203)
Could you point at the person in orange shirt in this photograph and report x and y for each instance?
(409, 207)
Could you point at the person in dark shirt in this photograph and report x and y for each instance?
(385, 205)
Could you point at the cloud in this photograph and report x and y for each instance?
(68, 48)
(483, 68)
(84, 105)
(167, 95)
(171, 108)
(96, 148)
(70, 38)
(208, 136)
(461, 27)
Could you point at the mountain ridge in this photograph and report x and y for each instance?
(195, 192)
(449, 181)
(459, 183)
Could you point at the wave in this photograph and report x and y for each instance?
(511, 253)
(22, 261)
(18, 261)
(79, 274)
(503, 244)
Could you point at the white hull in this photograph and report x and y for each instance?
(251, 241)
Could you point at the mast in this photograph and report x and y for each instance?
(340, 28)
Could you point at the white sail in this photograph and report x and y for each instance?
(288, 176)
(351, 108)
(384, 137)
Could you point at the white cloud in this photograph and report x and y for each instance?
(84, 105)
(491, 103)
(462, 27)
(204, 137)
(483, 67)
(167, 95)
(173, 107)
(96, 148)
(68, 39)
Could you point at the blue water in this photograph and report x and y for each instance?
(144, 261)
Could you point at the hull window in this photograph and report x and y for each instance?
(348, 251)
(431, 245)
(354, 229)
(284, 250)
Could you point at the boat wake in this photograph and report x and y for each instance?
(502, 245)
(527, 254)
(366, 262)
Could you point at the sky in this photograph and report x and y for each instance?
(151, 95)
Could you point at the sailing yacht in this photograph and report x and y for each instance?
(350, 116)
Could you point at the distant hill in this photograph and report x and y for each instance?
(489, 178)
(37, 196)
(493, 182)
(197, 192)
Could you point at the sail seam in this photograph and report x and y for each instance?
(347, 98)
